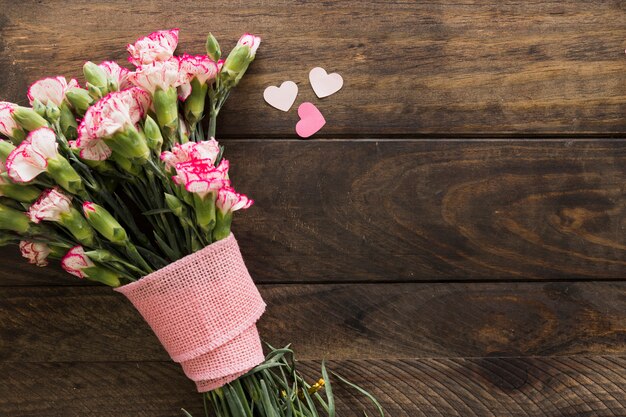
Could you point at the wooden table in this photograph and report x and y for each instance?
(454, 239)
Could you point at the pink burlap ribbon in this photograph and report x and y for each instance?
(203, 308)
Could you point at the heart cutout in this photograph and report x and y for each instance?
(283, 97)
(325, 84)
(311, 120)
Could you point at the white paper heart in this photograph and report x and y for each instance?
(281, 97)
(325, 84)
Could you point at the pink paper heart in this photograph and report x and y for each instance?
(311, 120)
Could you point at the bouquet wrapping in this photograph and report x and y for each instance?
(203, 308)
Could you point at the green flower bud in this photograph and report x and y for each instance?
(14, 220)
(94, 91)
(68, 124)
(213, 48)
(96, 76)
(175, 205)
(53, 113)
(101, 220)
(80, 100)
(194, 105)
(39, 108)
(28, 118)
(153, 134)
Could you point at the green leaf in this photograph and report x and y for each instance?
(157, 211)
(364, 392)
(329, 391)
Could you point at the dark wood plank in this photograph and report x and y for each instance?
(60, 324)
(415, 210)
(479, 67)
(485, 387)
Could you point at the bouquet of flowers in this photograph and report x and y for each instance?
(123, 182)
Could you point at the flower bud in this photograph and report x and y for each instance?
(28, 118)
(175, 205)
(153, 134)
(53, 113)
(94, 91)
(14, 220)
(67, 121)
(213, 48)
(80, 99)
(39, 107)
(101, 220)
(96, 76)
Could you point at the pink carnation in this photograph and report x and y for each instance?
(117, 74)
(112, 114)
(31, 157)
(35, 252)
(50, 206)
(200, 67)
(159, 74)
(50, 90)
(75, 260)
(7, 123)
(248, 39)
(228, 200)
(157, 46)
(208, 150)
(201, 176)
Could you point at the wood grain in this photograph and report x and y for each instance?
(437, 67)
(338, 321)
(477, 387)
(419, 210)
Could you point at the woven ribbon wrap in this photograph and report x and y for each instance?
(203, 308)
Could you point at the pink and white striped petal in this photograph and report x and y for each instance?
(157, 46)
(50, 90)
(75, 260)
(30, 158)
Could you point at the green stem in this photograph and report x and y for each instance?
(212, 121)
